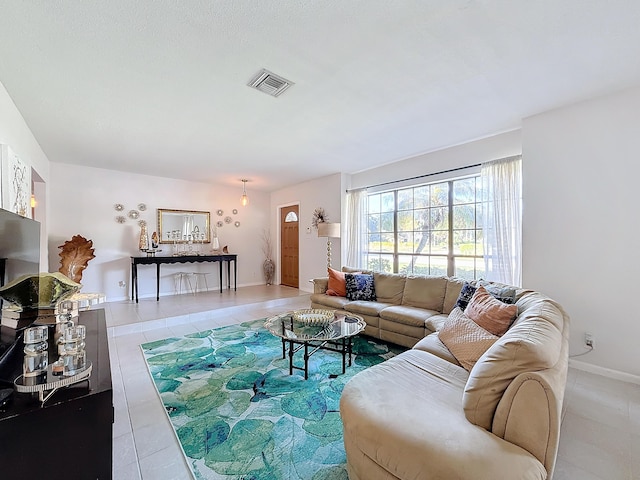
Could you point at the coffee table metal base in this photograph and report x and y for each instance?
(342, 346)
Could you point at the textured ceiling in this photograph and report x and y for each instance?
(159, 86)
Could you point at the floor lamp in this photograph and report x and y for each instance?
(329, 230)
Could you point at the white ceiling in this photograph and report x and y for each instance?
(159, 86)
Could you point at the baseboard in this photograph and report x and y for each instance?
(605, 372)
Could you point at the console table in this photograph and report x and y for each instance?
(157, 261)
(70, 436)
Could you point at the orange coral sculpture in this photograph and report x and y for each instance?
(75, 256)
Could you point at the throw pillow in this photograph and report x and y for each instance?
(337, 286)
(465, 295)
(502, 292)
(490, 313)
(465, 339)
(360, 286)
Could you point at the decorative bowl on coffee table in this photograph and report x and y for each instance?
(314, 316)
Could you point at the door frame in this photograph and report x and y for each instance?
(279, 239)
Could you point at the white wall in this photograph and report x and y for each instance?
(15, 133)
(581, 173)
(82, 202)
(325, 192)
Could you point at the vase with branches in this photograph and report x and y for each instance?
(268, 266)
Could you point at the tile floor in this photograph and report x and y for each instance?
(600, 436)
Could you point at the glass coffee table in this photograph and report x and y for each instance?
(295, 335)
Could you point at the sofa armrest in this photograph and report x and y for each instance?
(529, 414)
(320, 285)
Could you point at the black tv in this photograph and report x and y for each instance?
(19, 255)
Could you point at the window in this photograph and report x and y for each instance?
(433, 229)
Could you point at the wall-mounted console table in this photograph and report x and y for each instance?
(157, 261)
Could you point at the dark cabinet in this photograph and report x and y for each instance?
(71, 435)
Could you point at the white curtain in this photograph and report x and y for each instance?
(502, 226)
(356, 228)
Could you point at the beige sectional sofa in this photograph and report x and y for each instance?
(420, 415)
(407, 308)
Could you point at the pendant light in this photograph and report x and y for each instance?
(244, 200)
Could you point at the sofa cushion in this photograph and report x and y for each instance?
(425, 292)
(435, 322)
(336, 285)
(533, 343)
(433, 345)
(407, 315)
(360, 286)
(454, 286)
(490, 313)
(365, 307)
(389, 287)
(328, 301)
(466, 340)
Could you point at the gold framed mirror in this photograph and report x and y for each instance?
(181, 226)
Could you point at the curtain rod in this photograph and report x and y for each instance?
(414, 178)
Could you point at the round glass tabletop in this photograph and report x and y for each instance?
(343, 326)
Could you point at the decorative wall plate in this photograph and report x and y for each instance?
(237, 224)
(142, 223)
(227, 219)
(133, 214)
(120, 219)
(235, 211)
(220, 212)
(118, 207)
(142, 207)
(220, 223)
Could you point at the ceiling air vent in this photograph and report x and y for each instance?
(269, 83)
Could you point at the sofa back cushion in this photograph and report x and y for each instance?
(425, 292)
(533, 343)
(454, 287)
(389, 287)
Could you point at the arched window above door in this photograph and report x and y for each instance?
(291, 217)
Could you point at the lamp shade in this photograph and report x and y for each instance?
(330, 230)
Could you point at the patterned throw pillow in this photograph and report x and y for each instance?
(465, 339)
(360, 287)
(504, 294)
(465, 295)
(490, 313)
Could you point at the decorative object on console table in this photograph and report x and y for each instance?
(329, 230)
(75, 256)
(143, 243)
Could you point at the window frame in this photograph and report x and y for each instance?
(450, 262)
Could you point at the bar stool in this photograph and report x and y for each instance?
(201, 277)
(181, 277)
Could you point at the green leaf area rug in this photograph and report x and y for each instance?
(237, 412)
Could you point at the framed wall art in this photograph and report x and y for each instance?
(16, 183)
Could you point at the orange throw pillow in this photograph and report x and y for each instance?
(490, 313)
(337, 285)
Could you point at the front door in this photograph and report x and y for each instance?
(289, 241)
